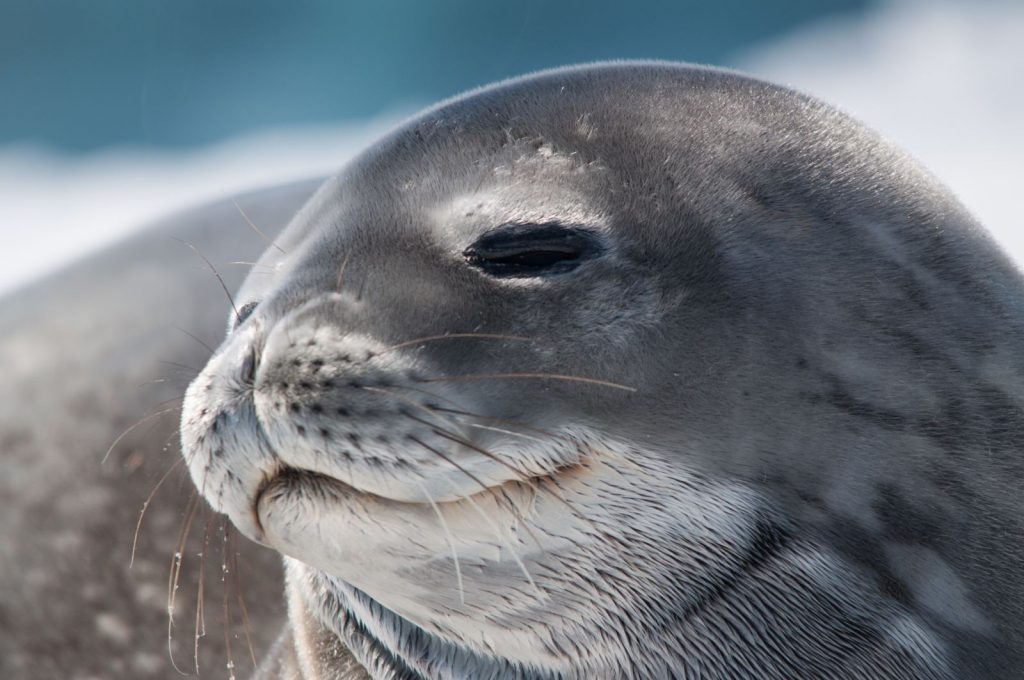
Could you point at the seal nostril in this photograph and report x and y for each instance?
(248, 371)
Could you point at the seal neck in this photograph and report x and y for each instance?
(386, 644)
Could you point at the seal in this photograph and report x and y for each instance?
(629, 370)
(91, 356)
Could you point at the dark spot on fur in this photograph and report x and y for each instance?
(305, 385)
(767, 542)
(841, 399)
(325, 433)
(801, 363)
(294, 407)
(977, 416)
(866, 550)
(342, 411)
(301, 429)
(905, 522)
(917, 346)
(316, 408)
(951, 481)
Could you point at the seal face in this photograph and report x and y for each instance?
(631, 370)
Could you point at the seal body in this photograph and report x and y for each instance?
(629, 370)
(90, 354)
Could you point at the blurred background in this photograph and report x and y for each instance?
(113, 113)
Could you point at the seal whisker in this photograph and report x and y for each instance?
(451, 462)
(204, 345)
(225, 589)
(536, 376)
(504, 541)
(530, 481)
(362, 288)
(512, 505)
(252, 225)
(479, 416)
(200, 625)
(441, 431)
(341, 272)
(213, 269)
(175, 574)
(131, 428)
(453, 336)
(508, 432)
(452, 437)
(160, 381)
(267, 267)
(506, 421)
(521, 476)
(145, 505)
(450, 539)
(246, 625)
(162, 402)
(179, 365)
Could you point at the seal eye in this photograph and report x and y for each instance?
(523, 250)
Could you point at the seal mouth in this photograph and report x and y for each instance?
(287, 478)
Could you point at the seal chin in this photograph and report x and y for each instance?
(295, 486)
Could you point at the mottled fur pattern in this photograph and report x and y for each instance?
(797, 452)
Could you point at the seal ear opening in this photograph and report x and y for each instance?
(526, 250)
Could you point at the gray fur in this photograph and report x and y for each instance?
(817, 473)
(78, 354)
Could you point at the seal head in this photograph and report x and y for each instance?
(630, 370)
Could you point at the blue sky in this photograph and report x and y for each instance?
(87, 74)
(940, 78)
